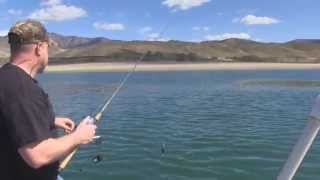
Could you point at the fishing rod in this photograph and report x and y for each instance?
(303, 144)
(97, 116)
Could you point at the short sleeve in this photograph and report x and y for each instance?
(27, 120)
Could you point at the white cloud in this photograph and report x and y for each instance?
(3, 32)
(200, 28)
(184, 4)
(145, 29)
(109, 26)
(254, 20)
(228, 36)
(15, 12)
(54, 10)
(195, 40)
(50, 2)
(156, 37)
(258, 40)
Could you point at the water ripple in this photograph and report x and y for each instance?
(189, 125)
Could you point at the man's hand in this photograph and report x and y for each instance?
(64, 123)
(85, 131)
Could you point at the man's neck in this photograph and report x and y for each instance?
(26, 66)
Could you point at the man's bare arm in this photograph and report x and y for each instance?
(38, 154)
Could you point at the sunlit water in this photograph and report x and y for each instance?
(188, 125)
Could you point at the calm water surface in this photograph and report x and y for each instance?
(188, 125)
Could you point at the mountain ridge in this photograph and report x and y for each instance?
(69, 49)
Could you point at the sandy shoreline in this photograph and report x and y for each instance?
(122, 67)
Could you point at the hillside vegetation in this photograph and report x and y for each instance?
(72, 49)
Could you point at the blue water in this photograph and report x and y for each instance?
(188, 125)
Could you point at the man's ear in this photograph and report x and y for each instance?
(37, 49)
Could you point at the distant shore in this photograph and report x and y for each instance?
(122, 67)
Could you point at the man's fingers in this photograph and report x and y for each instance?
(67, 128)
(67, 131)
(70, 124)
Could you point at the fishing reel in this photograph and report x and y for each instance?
(96, 139)
(91, 120)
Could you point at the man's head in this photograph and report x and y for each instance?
(29, 43)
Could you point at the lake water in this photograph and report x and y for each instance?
(195, 125)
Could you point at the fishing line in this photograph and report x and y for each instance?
(124, 80)
(98, 158)
(188, 50)
(97, 116)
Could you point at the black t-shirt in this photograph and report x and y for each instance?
(26, 116)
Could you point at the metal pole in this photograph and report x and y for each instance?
(303, 145)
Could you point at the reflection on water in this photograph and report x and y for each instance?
(276, 82)
(188, 125)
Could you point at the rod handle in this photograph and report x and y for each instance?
(98, 116)
(66, 160)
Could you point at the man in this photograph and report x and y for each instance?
(29, 149)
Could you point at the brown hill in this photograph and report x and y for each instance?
(72, 49)
(67, 42)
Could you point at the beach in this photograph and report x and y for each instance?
(122, 67)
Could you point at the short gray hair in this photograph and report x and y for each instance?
(17, 48)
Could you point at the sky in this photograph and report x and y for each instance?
(163, 20)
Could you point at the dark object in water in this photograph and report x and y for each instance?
(97, 159)
(163, 149)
